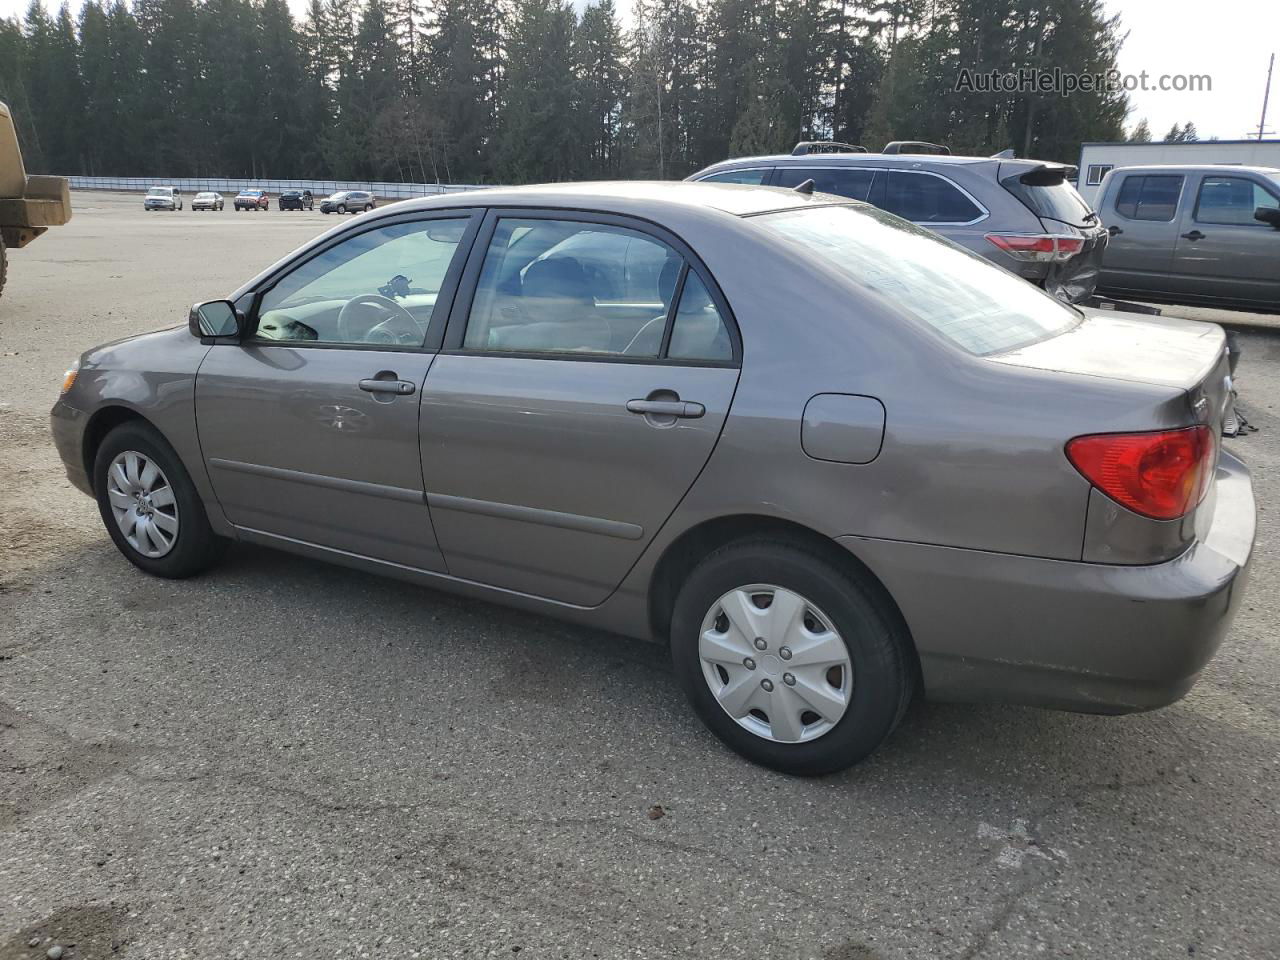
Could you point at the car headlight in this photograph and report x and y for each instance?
(69, 378)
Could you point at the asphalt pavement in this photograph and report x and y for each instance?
(283, 758)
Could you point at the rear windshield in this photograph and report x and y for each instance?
(159, 192)
(1050, 196)
(970, 301)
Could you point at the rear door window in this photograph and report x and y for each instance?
(850, 182)
(925, 198)
(1149, 197)
(755, 176)
(1232, 201)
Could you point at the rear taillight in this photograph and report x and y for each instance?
(1043, 247)
(1161, 475)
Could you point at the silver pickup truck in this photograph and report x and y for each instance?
(1193, 234)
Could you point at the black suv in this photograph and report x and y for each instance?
(297, 200)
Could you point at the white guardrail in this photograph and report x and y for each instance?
(230, 187)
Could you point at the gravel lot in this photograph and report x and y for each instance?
(285, 758)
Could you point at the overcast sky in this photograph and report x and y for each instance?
(1230, 40)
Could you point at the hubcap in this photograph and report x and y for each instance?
(790, 704)
(143, 503)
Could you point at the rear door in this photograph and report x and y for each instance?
(1140, 211)
(1222, 251)
(580, 393)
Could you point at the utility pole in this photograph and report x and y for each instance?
(1266, 96)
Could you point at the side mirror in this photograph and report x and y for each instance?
(1269, 215)
(214, 318)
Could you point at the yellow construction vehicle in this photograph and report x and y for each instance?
(28, 205)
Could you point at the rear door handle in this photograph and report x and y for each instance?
(667, 408)
(399, 387)
(1193, 235)
(1114, 231)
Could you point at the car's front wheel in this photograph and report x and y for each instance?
(791, 659)
(150, 506)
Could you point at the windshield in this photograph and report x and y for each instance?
(248, 193)
(158, 192)
(204, 196)
(973, 303)
(338, 196)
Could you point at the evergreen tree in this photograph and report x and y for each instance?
(536, 139)
(1140, 133)
(597, 67)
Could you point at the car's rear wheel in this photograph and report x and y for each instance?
(368, 207)
(150, 506)
(792, 660)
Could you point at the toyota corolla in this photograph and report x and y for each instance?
(833, 460)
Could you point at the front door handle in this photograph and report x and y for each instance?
(402, 388)
(1193, 235)
(667, 408)
(1114, 231)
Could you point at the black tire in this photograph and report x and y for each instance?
(883, 675)
(342, 208)
(368, 207)
(196, 547)
(4, 265)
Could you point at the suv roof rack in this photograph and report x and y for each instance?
(916, 146)
(805, 147)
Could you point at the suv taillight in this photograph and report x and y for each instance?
(1161, 475)
(1044, 247)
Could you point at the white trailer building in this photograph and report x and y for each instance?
(1097, 158)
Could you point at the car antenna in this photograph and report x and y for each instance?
(806, 188)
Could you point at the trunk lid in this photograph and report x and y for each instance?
(1183, 354)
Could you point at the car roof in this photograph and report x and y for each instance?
(1196, 168)
(856, 159)
(631, 196)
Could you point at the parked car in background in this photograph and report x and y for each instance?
(252, 200)
(1193, 234)
(1023, 215)
(296, 200)
(781, 432)
(207, 200)
(162, 198)
(348, 201)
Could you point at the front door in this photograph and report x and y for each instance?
(309, 427)
(1223, 252)
(582, 389)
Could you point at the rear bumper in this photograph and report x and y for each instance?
(1088, 637)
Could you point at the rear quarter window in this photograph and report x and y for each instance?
(924, 198)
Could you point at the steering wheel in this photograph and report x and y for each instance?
(372, 318)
